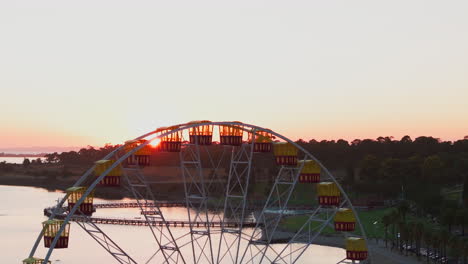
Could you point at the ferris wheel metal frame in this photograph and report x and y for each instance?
(259, 241)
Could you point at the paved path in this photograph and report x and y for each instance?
(382, 255)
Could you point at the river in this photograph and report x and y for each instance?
(20, 222)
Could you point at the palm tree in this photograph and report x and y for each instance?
(461, 217)
(394, 219)
(428, 241)
(445, 236)
(418, 229)
(465, 220)
(436, 245)
(386, 221)
(456, 246)
(465, 251)
(403, 208)
(409, 237)
(403, 236)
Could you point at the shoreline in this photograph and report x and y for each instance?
(165, 191)
(379, 253)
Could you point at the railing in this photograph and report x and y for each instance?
(143, 222)
(183, 204)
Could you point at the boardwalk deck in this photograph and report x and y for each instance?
(182, 204)
(142, 222)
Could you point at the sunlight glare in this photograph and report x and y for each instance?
(155, 142)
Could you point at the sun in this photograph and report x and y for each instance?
(155, 142)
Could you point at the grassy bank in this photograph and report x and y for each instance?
(371, 221)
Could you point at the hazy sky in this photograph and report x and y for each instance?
(74, 73)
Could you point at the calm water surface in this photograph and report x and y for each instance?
(17, 160)
(20, 222)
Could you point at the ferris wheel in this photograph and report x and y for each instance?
(223, 225)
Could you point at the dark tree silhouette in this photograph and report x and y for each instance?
(26, 162)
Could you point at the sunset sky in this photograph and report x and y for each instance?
(77, 73)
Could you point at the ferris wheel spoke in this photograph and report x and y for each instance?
(216, 178)
(144, 203)
(144, 197)
(228, 251)
(309, 242)
(235, 200)
(299, 232)
(203, 253)
(152, 256)
(105, 241)
(260, 254)
(278, 199)
(196, 202)
(174, 254)
(303, 236)
(202, 249)
(180, 245)
(216, 184)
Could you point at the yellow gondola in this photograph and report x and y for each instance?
(142, 156)
(34, 261)
(310, 172)
(345, 221)
(356, 248)
(75, 194)
(263, 141)
(171, 142)
(328, 194)
(285, 153)
(51, 228)
(231, 134)
(201, 135)
(113, 178)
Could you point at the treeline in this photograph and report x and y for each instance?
(342, 154)
(420, 170)
(380, 160)
(84, 156)
(398, 161)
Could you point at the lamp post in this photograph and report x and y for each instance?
(375, 231)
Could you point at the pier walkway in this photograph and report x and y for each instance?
(182, 204)
(141, 221)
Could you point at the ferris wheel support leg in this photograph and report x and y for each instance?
(196, 202)
(297, 234)
(235, 200)
(341, 261)
(106, 242)
(289, 180)
(166, 242)
(313, 238)
(287, 177)
(300, 233)
(255, 234)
